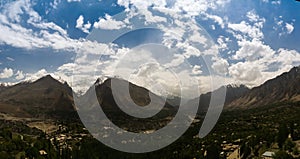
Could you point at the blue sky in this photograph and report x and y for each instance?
(256, 39)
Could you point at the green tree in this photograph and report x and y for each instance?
(295, 151)
(282, 155)
(212, 152)
(7, 134)
(4, 155)
(289, 145)
(32, 152)
(282, 135)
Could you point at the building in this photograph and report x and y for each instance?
(268, 155)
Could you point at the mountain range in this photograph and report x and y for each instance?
(49, 98)
(283, 88)
(44, 97)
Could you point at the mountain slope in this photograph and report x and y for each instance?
(232, 93)
(285, 87)
(40, 99)
(2, 87)
(139, 95)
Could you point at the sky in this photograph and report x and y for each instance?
(163, 45)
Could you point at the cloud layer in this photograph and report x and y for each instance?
(238, 53)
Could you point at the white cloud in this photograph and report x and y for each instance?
(252, 50)
(221, 66)
(222, 42)
(108, 23)
(213, 27)
(35, 76)
(279, 23)
(245, 72)
(289, 28)
(287, 57)
(19, 75)
(216, 19)
(10, 59)
(254, 71)
(197, 70)
(252, 16)
(73, 1)
(246, 29)
(276, 2)
(6, 73)
(42, 35)
(80, 24)
(250, 28)
(14, 34)
(176, 61)
(256, 56)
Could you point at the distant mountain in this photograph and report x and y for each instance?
(48, 98)
(3, 87)
(139, 95)
(285, 87)
(232, 92)
(43, 98)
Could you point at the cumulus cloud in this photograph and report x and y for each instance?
(220, 66)
(6, 73)
(252, 50)
(43, 34)
(80, 24)
(289, 28)
(35, 76)
(246, 29)
(222, 42)
(108, 23)
(197, 70)
(282, 27)
(287, 57)
(19, 75)
(219, 20)
(253, 57)
(254, 72)
(246, 72)
(252, 16)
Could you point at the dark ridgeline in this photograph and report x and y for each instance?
(283, 88)
(49, 98)
(140, 96)
(44, 98)
(232, 93)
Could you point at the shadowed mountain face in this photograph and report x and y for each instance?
(283, 88)
(3, 87)
(43, 98)
(48, 98)
(232, 93)
(139, 96)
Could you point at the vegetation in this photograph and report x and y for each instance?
(254, 131)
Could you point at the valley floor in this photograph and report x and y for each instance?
(238, 134)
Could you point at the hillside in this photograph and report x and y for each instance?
(43, 98)
(141, 98)
(232, 93)
(283, 88)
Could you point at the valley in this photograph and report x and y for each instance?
(44, 122)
